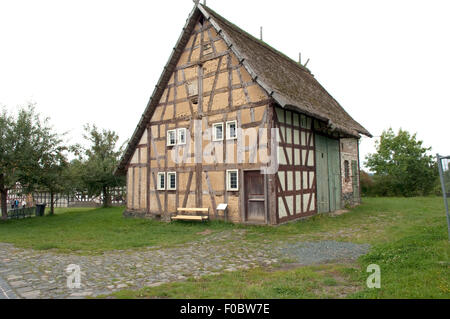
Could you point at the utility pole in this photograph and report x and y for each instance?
(444, 190)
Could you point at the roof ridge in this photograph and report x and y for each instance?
(258, 41)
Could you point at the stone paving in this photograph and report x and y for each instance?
(6, 291)
(34, 274)
(38, 274)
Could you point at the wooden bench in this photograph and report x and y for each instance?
(192, 217)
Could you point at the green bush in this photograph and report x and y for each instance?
(401, 166)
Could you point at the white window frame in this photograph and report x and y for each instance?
(229, 188)
(179, 134)
(228, 130)
(215, 139)
(168, 181)
(168, 137)
(159, 181)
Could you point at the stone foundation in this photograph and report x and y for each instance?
(348, 200)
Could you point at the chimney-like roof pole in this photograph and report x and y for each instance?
(306, 63)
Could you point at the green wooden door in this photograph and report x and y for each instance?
(328, 174)
(334, 174)
(355, 183)
(323, 193)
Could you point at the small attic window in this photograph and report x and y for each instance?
(192, 88)
(193, 91)
(207, 46)
(207, 49)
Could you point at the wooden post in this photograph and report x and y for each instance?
(272, 185)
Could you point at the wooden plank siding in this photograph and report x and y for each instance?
(329, 187)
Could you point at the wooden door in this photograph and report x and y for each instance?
(328, 174)
(355, 181)
(323, 193)
(254, 196)
(334, 174)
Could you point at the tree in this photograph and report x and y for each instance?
(26, 142)
(52, 175)
(100, 161)
(366, 183)
(73, 174)
(401, 165)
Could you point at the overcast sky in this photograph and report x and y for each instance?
(98, 61)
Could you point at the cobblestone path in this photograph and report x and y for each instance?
(38, 274)
(27, 273)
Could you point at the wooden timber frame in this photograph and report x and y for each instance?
(208, 81)
(296, 177)
(224, 91)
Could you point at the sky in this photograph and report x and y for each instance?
(386, 62)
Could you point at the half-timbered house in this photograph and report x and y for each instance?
(233, 121)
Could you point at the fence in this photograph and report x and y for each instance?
(444, 172)
(19, 213)
(80, 199)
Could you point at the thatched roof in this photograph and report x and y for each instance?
(289, 83)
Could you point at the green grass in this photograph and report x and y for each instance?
(93, 231)
(415, 266)
(376, 220)
(305, 282)
(408, 237)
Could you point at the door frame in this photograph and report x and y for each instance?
(242, 195)
(316, 137)
(355, 181)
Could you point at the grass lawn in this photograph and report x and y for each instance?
(408, 237)
(93, 231)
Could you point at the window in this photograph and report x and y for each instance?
(231, 130)
(192, 88)
(182, 136)
(303, 122)
(171, 137)
(161, 181)
(206, 47)
(232, 180)
(347, 171)
(172, 181)
(218, 132)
